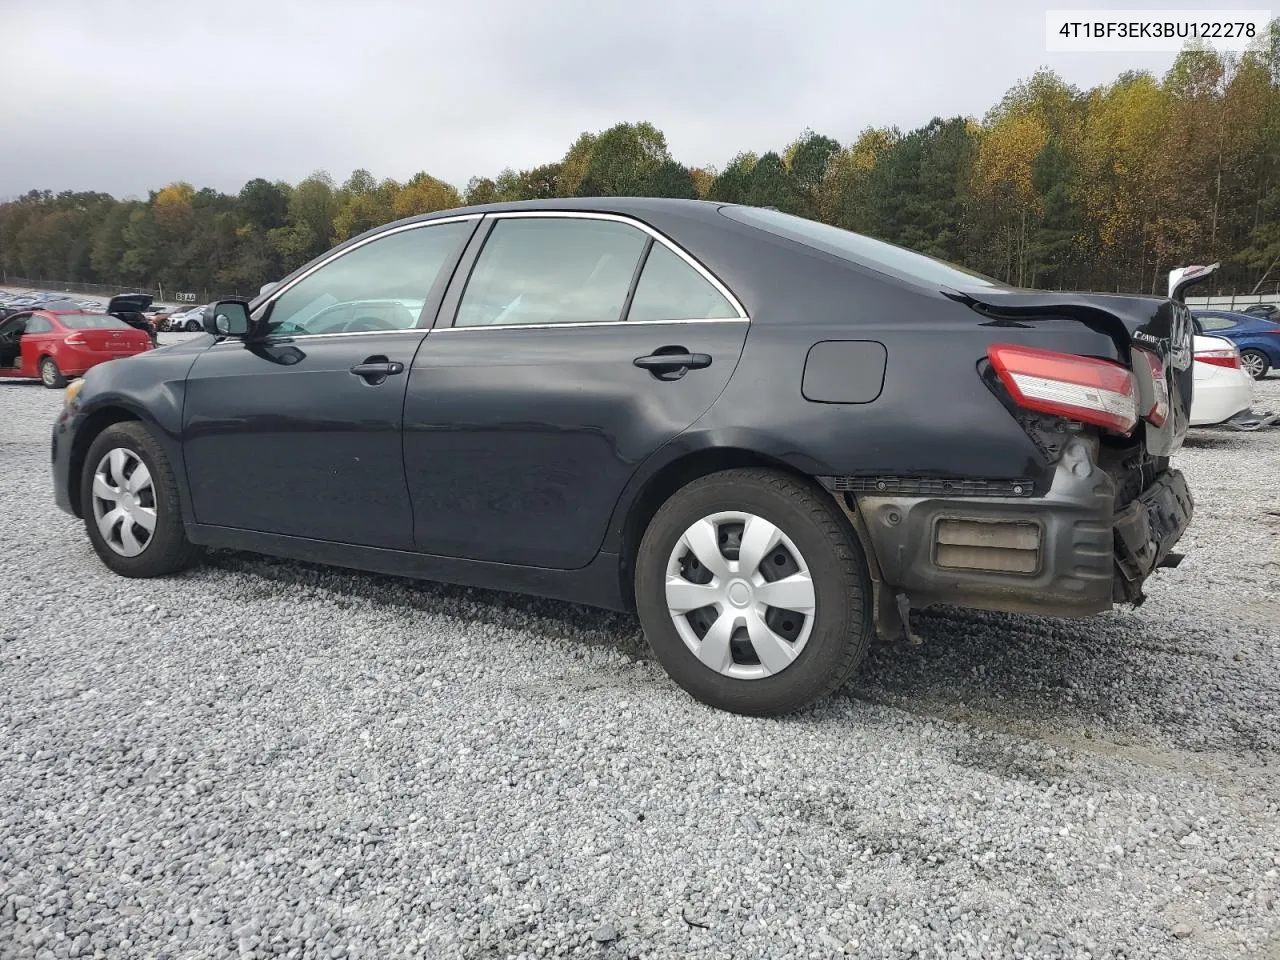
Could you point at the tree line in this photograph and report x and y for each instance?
(1103, 189)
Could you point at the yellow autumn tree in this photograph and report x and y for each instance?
(424, 194)
(171, 208)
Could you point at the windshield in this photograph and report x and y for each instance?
(857, 248)
(92, 321)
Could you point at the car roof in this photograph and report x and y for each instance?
(634, 206)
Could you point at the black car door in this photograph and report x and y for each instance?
(578, 345)
(297, 431)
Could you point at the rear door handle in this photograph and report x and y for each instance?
(377, 370)
(674, 361)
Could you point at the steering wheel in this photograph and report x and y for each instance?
(366, 324)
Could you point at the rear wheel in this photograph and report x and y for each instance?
(1255, 362)
(753, 593)
(193, 326)
(50, 375)
(129, 501)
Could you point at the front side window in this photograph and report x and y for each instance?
(541, 270)
(380, 285)
(670, 289)
(14, 324)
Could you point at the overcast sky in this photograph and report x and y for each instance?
(126, 95)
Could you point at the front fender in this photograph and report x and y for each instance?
(150, 387)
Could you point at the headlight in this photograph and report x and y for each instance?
(73, 390)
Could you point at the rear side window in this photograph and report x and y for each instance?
(875, 254)
(38, 325)
(543, 270)
(670, 289)
(1216, 323)
(92, 321)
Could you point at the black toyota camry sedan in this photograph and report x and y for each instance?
(769, 437)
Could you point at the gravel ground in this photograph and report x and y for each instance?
(266, 758)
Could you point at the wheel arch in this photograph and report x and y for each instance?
(660, 484)
(88, 430)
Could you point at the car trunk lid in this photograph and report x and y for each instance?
(129, 303)
(1158, 325)
(121, 339)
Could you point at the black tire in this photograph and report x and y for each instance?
(193, 326)
(1246, 356)
(168, 550)
(50, 375)
(842, 629)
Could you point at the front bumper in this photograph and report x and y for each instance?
(1068, 553)
(61, 462)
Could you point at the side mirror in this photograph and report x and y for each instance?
(227, 318)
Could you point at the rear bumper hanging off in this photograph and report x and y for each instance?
(1251, 420)
(1068, 553)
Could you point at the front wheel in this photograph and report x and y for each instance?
(753, 593)
(1255, 362)
(50, 375)
(129, 501)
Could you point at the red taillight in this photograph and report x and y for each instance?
(1094, 391)
(1222, 357)
(75, 340)
(1159, 411)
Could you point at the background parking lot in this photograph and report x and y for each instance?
(262, 757)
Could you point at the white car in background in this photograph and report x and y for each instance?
(1223, 387)
(187, 320)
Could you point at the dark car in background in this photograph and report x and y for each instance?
(28, 302)
(1257, 338)
(1267, 311)
(131, 308)
(770, 437)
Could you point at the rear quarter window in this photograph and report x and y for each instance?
(92, 321)
(886, 258)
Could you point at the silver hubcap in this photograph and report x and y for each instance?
(46, 372)
(1252, 364)
(124, 502)
(740, 595)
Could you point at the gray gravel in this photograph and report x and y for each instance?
(266, 758)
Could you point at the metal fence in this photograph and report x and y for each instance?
(1237, 302)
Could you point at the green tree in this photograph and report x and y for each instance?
(670, 179)
(312, 210)
(772, 185)
(263, 204)
(807, 159)
(918, 189)
(624, 159)
(734, 182)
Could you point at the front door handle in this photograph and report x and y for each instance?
(376, 369)
(674, 361)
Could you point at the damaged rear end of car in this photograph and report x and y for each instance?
(1099, 510)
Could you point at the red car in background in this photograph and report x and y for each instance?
(55, 343)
